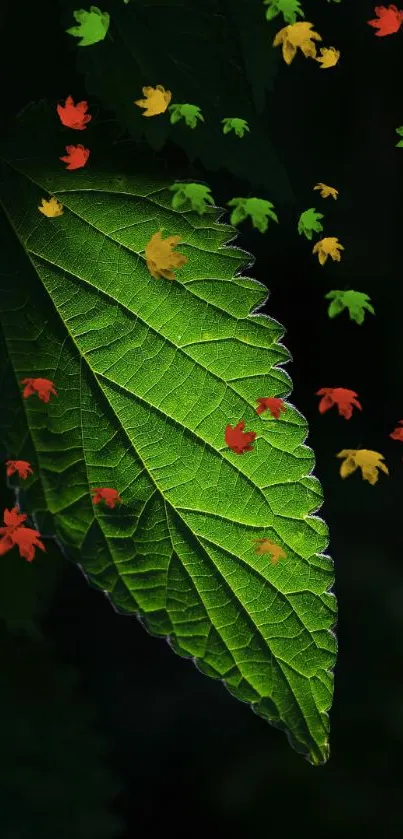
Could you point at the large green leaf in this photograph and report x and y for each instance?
(148, 373)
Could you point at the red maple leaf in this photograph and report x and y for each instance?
(388, 20)
(237, 439)
(342, 397)
(14, 533)
(109, 495)
(72, 115)
(397, 433)
(20, 466)
(76, 156)
(12, 518)
(272, 403)
(43, 387)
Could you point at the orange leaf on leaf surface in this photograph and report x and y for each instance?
(239, 440)
(268, 547)
(342, 397)
(76, 156)
(43, 387)
(74, 116)
(271, 403)
(388, 20)
(20, 466)
(161, 257)
(109, 495)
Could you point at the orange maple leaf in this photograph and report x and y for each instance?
(14, 533)
(397, 433)
(239, 440)
(272, 403)
(76, 156)
(43, 387)
(342, 397)
(74, 116)
(268, 547)
(388, 20)
(107, 494)
(20, 466)
(160, 257)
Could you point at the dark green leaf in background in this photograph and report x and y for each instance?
(206, 61)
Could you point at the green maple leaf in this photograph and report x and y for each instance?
(309, 222)
(190, 113)
(148, 372)
(199, 196)
(235, 124)
(355, 301)
(400, 132)
(288, 8)
(258, 209)
(93, 26)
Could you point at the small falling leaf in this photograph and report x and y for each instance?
(355, 301)
(51, 208)
(239, 440)
(92, 26)
(235, 124)
(190, 113)
(298, 35)
(365, 459)
(342, 397)
(329, 57)
(258, 209)
(329, 246)
(198, 195)
(74, 116)
(161, 258)
(265, 546)
(155, 102)
(326, 191)
(42, 387)
(309, 223)
(76, 156)
(107, 494)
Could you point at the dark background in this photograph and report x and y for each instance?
(104, 731)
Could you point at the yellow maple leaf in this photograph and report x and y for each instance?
(367, 460)
(51, 208)
(268, 547)
(160, 257)
(329, 56)
(297, 35)
(329, 246)
(325, 191)
(156, 100)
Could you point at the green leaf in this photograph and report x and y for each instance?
(258, 209)
(148, 374)
(288, 8)
(400, 132)
(199, 196)
(236, 124)
(93, 26)
(190, 113)
(309, 222)
(356, 302)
